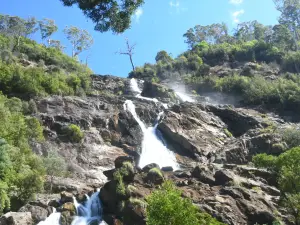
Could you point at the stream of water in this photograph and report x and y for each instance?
(154, 149)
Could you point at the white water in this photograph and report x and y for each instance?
(153, 150)
(184, 97)
(135, 88)
(89, 212)
(53, 219)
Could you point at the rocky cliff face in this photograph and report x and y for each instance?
(213, 145)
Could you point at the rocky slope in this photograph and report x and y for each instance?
(213, 145)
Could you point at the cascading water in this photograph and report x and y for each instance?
(135, 88)
(90, 211)
(53, 219)
(184, 97)
(153, 148)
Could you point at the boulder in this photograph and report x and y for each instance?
(121, 159)
(223, 177)
(38, 213)
(16, 218)
(167, 169)
(109, 173)
(154, 90)
(134, 212)
(238, 122)
(149, 167)
(204, 175)
(192, 132)
(155, 176)
(66, 197)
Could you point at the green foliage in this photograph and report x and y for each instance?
(40, 81)
(108, 15)
(228, 133)
(291, 137)
(80, 39)
(281, 94)
(166, 206)
(55, 165)
(47, 28)
(265, 161)
(21, 171)
(163, 57)
(287, 168)
(138, 203)
(73, 133)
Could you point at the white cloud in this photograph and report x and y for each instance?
(177, 7)
(175, 4)
(236, 2)
(236, 14)
(138, 13)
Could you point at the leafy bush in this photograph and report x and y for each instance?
(166, 206)
(61, 74)
(291, 137)
(21, 171)
(73, 133)
(287, 168)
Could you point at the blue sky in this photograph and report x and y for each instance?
(158, 25)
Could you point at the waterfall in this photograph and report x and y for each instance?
(184, 97)
(53, 219)
(88, 213)
(154, 149)
(135, 88)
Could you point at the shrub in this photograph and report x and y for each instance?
(166, 206)
(73, 133)
(228, 133)
(291, 137)
(287, 168)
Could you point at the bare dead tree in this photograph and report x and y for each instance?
(129, 52)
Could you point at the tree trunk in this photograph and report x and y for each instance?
(130, 56)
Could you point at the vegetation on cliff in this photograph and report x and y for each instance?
(21, 171)
(287, 169)
(166, 206)
(27, 70)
